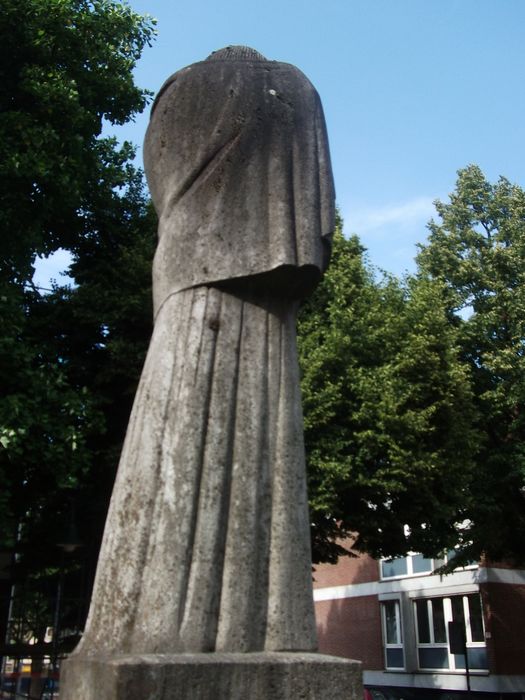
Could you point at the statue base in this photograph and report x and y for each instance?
(214, 676)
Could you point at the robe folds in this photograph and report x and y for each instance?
(207, 545)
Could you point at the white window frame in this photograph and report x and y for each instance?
(399, 633)
(435, 563)
(410, 569)
(447, 612)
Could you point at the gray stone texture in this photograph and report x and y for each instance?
(219, 676)
(207, 537)
(207, 546)
(237, 161)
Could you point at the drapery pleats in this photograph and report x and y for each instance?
(206, 544)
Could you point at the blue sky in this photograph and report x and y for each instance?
(412, 90)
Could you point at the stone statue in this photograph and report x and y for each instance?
(207, 546)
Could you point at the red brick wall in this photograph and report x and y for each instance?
(351, 627)
(360, 569)
(504, 605)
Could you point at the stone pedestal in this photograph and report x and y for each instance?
(214, 676)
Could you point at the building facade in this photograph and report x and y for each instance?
(395, 617)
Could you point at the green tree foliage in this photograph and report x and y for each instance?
(95, 335)
(69, 359)
(65, 67)
(103, 328)
(476, 252)
(387, 412)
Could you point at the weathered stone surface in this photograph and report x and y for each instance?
(207, 543)
(207, 539)
(267, 676)
(238, 166)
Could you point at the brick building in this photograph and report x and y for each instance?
(394, 617)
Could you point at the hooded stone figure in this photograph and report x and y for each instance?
(207, 545)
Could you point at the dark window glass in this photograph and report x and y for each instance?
(477, 658)
(420, 564)
(394, 567)
(438, 617)
(423, 628)
(391, 626)
(476, 618)
(459, 660)
(457, 608)
(451, 553)
(436, 657)
(394, 658)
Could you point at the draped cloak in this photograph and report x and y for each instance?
(237, 161)
(206, 546)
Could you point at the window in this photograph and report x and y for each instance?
(406, 566)
(392, 635)
(394, 567)
(421, 564)
(414, 564)
(432, 618)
